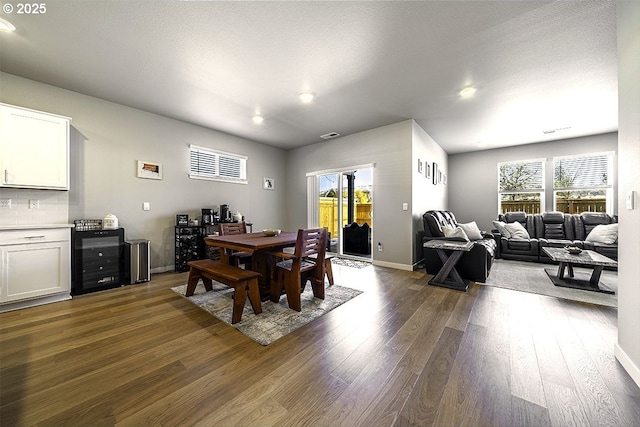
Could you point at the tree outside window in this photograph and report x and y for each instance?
(582, 183)
(521, 186)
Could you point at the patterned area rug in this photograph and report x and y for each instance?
(531, 277)
(350, 262)
(276, 319)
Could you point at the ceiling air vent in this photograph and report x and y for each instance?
(330, 135)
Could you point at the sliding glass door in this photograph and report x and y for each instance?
(345, 207)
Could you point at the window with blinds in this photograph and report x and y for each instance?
(583, 183)
(521, 186)
(206, 163)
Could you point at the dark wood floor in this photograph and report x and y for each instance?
(401, 354)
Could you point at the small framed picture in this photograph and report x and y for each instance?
(149, 170)
(444, 179)
(269, 184)
(182, 219)
(419, 166)
(427, 170)
(435, 173)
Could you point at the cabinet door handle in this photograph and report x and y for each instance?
(35, 237)
(6, 176)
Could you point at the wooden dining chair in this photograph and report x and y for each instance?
(236, 258)
(295, 269)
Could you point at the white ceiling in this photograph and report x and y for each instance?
(537, 65)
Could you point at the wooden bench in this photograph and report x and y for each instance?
(244, 282)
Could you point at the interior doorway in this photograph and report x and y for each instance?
(344, 204)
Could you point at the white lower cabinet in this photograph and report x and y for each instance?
(35, 266)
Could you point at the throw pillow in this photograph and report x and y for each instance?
(455, 233)
(517, 231)
(604, 233)
(500, 226)
(472, 230)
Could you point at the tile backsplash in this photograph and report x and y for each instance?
(53, 207)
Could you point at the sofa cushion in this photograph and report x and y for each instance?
(500, 226)
(605, 234)
(472, 231)
(517, 231)
(434, 221)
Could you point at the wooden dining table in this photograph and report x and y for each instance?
(259, 246)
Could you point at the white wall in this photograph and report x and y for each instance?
(473, 177)
(425, 195)
(395, 150)
(628, 345)
(107, 139)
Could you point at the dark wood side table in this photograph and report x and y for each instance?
(448, 276)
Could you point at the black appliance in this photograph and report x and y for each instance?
(97, 260)
(225, 213)
(207, 216)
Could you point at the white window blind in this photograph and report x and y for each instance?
(206, 163)
(521, 176)
(582, 172)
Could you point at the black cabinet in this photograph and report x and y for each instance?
(97, 260)
(189, 245)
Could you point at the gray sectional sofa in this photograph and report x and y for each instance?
(554, 229)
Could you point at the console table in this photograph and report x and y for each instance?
(448, 276)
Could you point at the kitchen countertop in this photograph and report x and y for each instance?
(33, 226)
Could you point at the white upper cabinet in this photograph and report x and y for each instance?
(34, 149)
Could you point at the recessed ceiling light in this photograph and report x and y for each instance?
(6, 26)
(257, 119)
(306, 97)
(468, 92)
(330, 135)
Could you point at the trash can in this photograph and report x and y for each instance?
(138, 261)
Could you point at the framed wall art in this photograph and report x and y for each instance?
(149, 170)
(419, 166)
(269, 184)
(435, 173)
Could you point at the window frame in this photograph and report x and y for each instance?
(215, 174)
(608, 187)
(540, 191)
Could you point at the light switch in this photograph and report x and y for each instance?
(405, 206)
(146, 206)
(629, 200)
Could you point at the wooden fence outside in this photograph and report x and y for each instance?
(571, 206)
(328, 213)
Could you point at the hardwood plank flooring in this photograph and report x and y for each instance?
(403, 353)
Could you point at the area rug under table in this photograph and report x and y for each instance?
(531, 277)
(276, 319)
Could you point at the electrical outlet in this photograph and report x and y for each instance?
(379, 246)
(5, 203)
(34, 204)
(146, 206)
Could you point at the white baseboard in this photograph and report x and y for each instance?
(395, 265)
(35, 301)
(627, 363)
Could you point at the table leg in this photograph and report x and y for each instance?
(595, 276)
(561, 267)
(448, 276)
